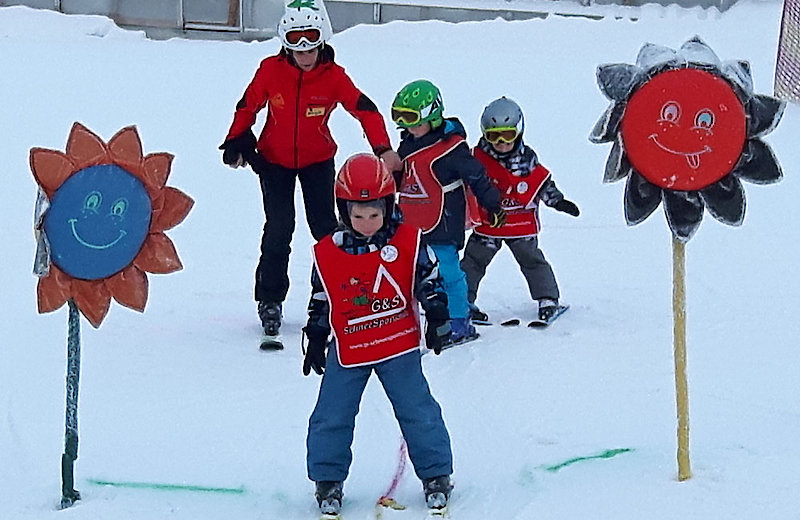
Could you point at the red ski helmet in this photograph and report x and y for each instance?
(364, 177)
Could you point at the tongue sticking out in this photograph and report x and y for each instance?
(694, 160)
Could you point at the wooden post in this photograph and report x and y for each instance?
(679, 341)
(69, 495)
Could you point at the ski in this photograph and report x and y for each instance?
(270, 343)
(538, 324)
(327, 516)
(436, 513)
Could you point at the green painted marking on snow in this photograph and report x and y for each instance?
(604, 455)
(168, 487)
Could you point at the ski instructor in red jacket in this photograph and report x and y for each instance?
(301, 85)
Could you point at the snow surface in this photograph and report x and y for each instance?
(181, 394)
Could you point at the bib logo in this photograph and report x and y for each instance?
(389, 253)
(387, 303)
(412, 188)
(522, 187)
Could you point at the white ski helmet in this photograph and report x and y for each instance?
(302, 29)
(502, 113)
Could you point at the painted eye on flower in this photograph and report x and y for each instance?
(92, 201)
(704, 119)
(671, 111)
(119, 207)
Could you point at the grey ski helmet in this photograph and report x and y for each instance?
(502, 113)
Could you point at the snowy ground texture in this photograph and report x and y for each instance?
(181, 394)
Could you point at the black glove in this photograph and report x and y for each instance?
(497, 218)
(437, 330)
(315, 350)
(236, 150)
(567, 206)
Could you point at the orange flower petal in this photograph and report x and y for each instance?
(53, 290)
(126, 149)
(92, 298)
(50, 168)
(129, 287)
(158, 255)
(85, 148)
(157, 167)
(173, 210)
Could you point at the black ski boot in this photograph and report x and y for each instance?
(547, 309)
(437, 493)
(270, 314)
(329, 498)
(477, 316)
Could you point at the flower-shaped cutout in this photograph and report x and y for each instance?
(686, 129)
(108, 210)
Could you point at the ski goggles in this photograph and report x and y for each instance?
(408, 117)
(505, 134)
(311, 36)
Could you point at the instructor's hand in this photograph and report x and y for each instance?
(392, 160)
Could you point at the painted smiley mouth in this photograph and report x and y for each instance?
(81, 241)
(693, 158)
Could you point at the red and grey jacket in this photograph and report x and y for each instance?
(296, 133)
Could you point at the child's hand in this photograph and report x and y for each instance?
(437, 330)
(315, 352)
(567, 206)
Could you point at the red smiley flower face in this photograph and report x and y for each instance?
(684, 129)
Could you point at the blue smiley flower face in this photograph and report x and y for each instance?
(97, 222)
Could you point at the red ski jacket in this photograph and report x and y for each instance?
(296, 133)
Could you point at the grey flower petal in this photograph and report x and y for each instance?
(652, 55)
(738, 73)
(758, 164)
(684, 211)
(605, 129)
(725, 200)
(764, 114)
(696, 51)
(617, 165)
(617, 80)
(641, 198)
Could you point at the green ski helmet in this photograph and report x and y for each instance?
(418, 102)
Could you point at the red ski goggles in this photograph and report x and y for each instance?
(505, 134)
(310, 35)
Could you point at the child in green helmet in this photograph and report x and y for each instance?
(437, 163)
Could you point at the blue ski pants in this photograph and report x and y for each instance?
(330, 428)
(453, 278)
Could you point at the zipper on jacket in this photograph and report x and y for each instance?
(297, 118)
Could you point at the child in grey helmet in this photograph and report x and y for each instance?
(515, 170)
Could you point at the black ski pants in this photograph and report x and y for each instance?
(277, 189)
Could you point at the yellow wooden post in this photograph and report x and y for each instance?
(679, 340)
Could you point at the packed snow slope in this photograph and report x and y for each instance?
(181, 395)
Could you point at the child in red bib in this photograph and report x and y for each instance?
(369, 278)
(514, 169)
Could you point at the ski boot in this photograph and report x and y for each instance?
(463, 331)
(547, 309)
(437, 493)
(477, 316)
(270, 314)
(329, 498)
